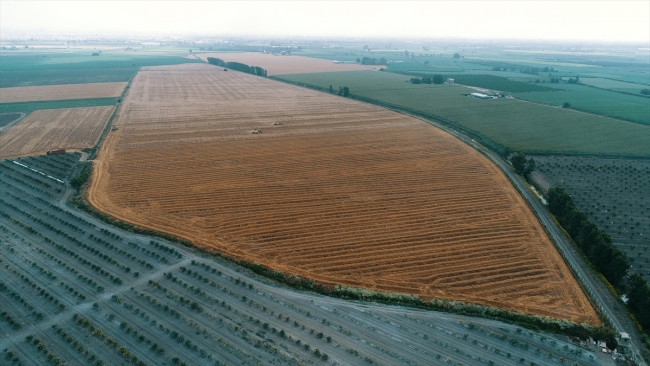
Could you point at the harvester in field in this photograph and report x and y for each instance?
(55, 151)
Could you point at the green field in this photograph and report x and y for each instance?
(599, 101)
(31, 68)
(7, 118)
(507, 122)
(493, 82)
(614, 85)
(28, 107)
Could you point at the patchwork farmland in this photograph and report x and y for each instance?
(331, 189)
(43, 130)
(78, 291)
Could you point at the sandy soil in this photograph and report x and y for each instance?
(278, 65)
(43, 130)
(61, 92)
(332, 189)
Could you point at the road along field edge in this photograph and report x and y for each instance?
(592, 282)
(100, 168)
(85, 201)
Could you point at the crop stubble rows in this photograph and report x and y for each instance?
(149, 318)
(340, 192)
(61, 92)
(74, 128)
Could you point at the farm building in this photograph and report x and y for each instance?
(450, 81)
(481, 96)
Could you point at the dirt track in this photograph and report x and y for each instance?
(61, 92)
(340, 191)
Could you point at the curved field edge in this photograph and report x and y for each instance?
(329, 288)
(81, 201)
(425, 329)
(113, 155)
(559, 290)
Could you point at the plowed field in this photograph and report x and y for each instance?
(43, 130)
(341, 192)
(279, 65)
(61, 92)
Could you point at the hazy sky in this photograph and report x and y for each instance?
(627, 21)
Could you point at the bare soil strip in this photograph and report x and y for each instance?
(278, 65)
(61, 92)
(42, 130)
(331, 189)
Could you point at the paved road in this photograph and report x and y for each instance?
(606, 301)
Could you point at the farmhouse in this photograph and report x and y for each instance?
(450, 81)
(481, 96)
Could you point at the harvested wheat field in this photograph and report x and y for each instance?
(42, 130)
(278, 65)
(331, 189)
(61, 92)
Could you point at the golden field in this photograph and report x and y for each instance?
(42, 130)
(331, 189)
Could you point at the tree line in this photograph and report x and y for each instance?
(639, 301)
(344, 91)
(609, 260)
(237, 66)
(436, 79)
(372, 61)
(594, 243)
(523, 166)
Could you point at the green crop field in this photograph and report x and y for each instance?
(7, 118)
(496, 83)
(594, 100)
(28, 107)
(410, 66)
(31, 68)
(614, 85)
(517, 124)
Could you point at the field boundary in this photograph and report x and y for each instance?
(540, 322)
(92, 152)
(28, 107)
(491, 145)
(10, 124)
(584, 111)
(534, 322)
(561, 250)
